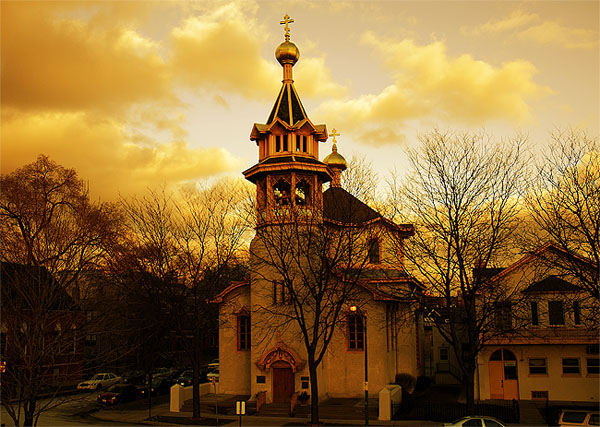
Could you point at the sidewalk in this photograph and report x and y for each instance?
(161, 415)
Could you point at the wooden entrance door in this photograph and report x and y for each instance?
(504, 382)
(283, 382)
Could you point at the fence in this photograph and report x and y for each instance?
(450, 411)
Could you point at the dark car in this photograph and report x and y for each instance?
(118, 393)
(159, 386)
(185, 379)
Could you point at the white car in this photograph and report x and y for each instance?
(99, 381)
(213, 374)
(476, 421)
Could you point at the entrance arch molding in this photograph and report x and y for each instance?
(281, 353)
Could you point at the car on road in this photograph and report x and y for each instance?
(476, 421)
(99, 381)
(118, 393)
(579, 418)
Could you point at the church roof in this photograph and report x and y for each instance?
(288, 108)
(552, 284)
(341, 206)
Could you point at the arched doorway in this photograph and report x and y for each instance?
(503, 372)
(283, 363)
(283, 381)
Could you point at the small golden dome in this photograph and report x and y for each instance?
(335, 159)
(287, 53)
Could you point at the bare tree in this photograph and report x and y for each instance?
(211, 238)
(463, 196)
(314, 264)
(565, 206)
(191, 241)
(51, 235)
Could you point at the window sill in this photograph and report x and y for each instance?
(538, 375)
(571, 375)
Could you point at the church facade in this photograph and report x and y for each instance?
(327, 285)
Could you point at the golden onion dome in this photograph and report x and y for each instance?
(335, 159)
(287, 53)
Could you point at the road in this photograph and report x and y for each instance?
(74, 411)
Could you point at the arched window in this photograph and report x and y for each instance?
(302, 193)
(281, 193)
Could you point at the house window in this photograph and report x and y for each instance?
(535, 320)
(90, 340)
(538, 367)
(539, 395)
(243, 332)
(304, 145)
(503, 316)
(593, 365)
(570, 365)
(261, 379)
(576, 313)
(355, 333)
(278, 143)
(374, 257)
(298, 143)
(444, 353)
(556, 313)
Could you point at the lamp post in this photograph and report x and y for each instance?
(354, 309)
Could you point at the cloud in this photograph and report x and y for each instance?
(527, 26)
(51, 61)
(103, 151)
(567, 37)
(516, 19)
(220, 50)
(427, 83)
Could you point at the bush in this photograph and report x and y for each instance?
(407, 381)
(423, 383)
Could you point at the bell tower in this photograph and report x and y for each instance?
(288, 175)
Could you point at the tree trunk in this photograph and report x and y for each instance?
(470, 387)
(196, 383)
(314, 392)
(29, 410)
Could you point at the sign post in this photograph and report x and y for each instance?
(240, 409)
(214, 383)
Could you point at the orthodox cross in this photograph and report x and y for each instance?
(286, 21)
(334, 134)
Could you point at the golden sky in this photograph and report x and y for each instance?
(137, 94)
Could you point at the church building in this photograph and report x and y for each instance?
(317, 257)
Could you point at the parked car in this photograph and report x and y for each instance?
(159, 386)
(569, 417)
(185, 379)
(213, 374)
(118, 393)
(213, 365)
(99, 381)
(476, 421)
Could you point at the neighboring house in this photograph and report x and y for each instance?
(255, 358)
(555, 355)
(439, 358)
(40, 328)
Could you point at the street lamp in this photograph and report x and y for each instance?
(354, 309)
